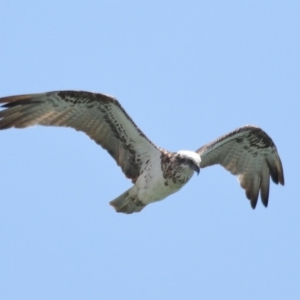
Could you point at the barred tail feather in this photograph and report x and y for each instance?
(126, 203)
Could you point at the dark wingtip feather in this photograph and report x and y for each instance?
(265, 201)
(253, 204)
(273, 171)
(276, 171)
(265, 186)
(252, 197)
(281, 175)
(282, 179)
(264, 198)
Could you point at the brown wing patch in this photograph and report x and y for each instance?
(100, 116)
(249, 153)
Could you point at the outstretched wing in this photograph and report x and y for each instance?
(249, 153)
(101, 117)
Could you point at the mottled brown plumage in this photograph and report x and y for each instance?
(249, 153)
(101, 117)
(156, 173)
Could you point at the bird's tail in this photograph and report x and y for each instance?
(127, 203)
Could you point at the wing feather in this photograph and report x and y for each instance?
(264, 185)
(101, 117)
(249, 153)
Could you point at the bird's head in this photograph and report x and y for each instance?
(189, 158)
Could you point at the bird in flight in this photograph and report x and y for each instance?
(247, 152)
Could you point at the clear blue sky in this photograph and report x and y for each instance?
(186, 72)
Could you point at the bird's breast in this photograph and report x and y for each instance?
(154, 185)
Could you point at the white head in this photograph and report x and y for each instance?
(190, 157)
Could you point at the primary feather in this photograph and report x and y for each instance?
(247, 152)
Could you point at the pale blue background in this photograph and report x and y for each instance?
(187, 72)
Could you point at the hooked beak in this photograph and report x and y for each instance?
(196, 168)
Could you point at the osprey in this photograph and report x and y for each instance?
(247, 152)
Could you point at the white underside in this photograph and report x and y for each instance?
(150, 186)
